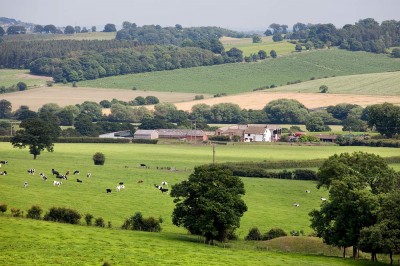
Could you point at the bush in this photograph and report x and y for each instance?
(62, 215)
(21, 86)
(3, 208)
(274, 233)
(109, 224)
(219, 138)
(99, 222)
(138, 223)
(35, 212)
(15, 212)
(49, 83)
(145, 141)
(74, 84)
(99, 158)
(88, 219)
(199, 97)
(254, 234)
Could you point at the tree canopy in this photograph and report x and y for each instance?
(36, 133)
(286, 111)
(209, 203)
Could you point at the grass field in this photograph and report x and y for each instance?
(9, 77)
(267, 44)
(269, 204)
(244, 77)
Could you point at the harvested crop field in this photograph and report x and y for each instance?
(64, 96)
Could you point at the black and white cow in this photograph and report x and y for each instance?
(76, 172)
(44, 177)
(31, 171)
(3, 162)
(54, 172)
(57, 183)
(3, 173)
(25, 184)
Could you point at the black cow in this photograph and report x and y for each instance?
(108, 190)
(62, 176)
(143, 165)
(78, 180)
(121, 183)
(54, 172)
(76, 172)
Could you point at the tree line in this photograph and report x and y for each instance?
(384, 118)
(365, 35)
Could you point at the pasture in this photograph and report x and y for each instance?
(9, 77)
(267, 44)
(245, 77)
(269, 201)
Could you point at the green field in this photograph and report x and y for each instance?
(269, 201)
(9, 77)
(244, 77)
(248, 47)
(387, 83)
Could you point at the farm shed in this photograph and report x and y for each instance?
(251, 132)
(146, 134)
(327, 138)
(188, 134)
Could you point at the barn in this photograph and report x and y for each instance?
(145, 134)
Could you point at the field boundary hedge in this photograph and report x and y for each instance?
(90, 140)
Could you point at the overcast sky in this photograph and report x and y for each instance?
(232, 14)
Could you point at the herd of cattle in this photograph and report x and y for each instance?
(56, 174)
(296, 204)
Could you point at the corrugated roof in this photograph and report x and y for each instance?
(255, 130)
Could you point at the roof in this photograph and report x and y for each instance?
(144, 131)
(255, 130)
(325, 136)
(180, 132)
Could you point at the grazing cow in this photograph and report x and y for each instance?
(143, 165)
(164, 183)
(140, 181)
(78, 180)
(3, 162)
(120, 187)
(67, 173)
(163, 190)
(88, 174)
(76, 172)
(62, 177)
(323, 199)
(121, 183)
(44, 178)
(308, 191)
(31, 171)
(3, 173)
(296, 205)
(57, 183)
(108, 190)
(54, 172)
(25, 184)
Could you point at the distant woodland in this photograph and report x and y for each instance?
(155, 48)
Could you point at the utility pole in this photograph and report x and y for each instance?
(213, 153)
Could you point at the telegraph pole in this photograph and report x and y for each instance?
(213, 153)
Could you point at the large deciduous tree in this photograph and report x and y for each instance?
(110, 28)
(209, 203)
(355, 182)
(385, 118)
(36, 133)
(5, 109)
(286, 111)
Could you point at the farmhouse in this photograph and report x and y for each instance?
(187, 134)
(145, 134)
(327, 138)
(251, 132)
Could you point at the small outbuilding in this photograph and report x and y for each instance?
(145, 134)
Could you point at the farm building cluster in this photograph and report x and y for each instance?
(242, 133)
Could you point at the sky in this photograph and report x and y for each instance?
(231, 14)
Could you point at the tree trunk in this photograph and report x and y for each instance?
(391, 257)
(34, 157)
(354, 252)
(344, 252)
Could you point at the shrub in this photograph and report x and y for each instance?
(199, 97)
(21, 86)
(138, 223)
(3, 208)
(35, 212)
(88, 218)
(99, 158)
(62, 215)
(274, 233)
(99, 222)
(294, 233)
(219, 138)
(254, 234)
(109, 224)
(74, 84)
(49, 83)
(323, 89)
(145, 141)
(15, 212)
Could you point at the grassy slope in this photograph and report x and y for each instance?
(9, 77)
(248, 47)
(61, 244)
(387, 83)
(46, 37)
(244, 77)
(269, 202)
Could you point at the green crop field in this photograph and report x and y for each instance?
(248, 47)
(9, 77)
(244, 77)
(269, 201)
(387, 83)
